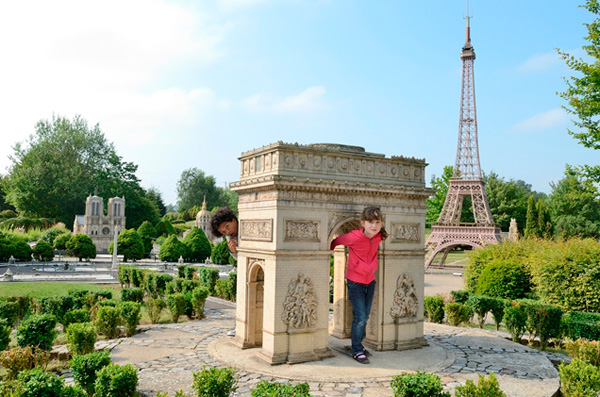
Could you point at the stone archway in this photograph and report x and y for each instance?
(293, 200)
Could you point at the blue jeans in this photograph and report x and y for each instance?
(361, 298)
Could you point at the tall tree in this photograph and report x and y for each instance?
(436, 202)
(4, 205)
(154, 195)
(507, 199)
(583, 91)
(193, 186)
(62, 163)
(575, 206)
(531, 225)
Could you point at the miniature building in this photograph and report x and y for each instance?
(101, 228)
(203, 220)
(294, 200)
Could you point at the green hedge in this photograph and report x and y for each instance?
(434, 308)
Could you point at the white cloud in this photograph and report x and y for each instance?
(540, 121)
(234, 5)
(539, 62)
(308, 100)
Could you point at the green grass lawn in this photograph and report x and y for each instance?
(54, 288)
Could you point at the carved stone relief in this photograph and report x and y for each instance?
(302, 230)
(256, 229)
(300, 305)
(404, 232)
(405, 298)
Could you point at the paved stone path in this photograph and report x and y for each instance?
(168, 355)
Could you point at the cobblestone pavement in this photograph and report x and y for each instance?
(168, 355)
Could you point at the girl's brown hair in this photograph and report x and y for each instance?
(371, 214)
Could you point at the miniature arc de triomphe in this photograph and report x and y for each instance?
(294, 200)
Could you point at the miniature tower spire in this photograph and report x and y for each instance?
(466, 179)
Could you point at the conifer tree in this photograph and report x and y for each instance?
(531, 225)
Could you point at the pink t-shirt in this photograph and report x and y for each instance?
(362, 258)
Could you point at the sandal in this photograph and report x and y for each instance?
(361, 358)
(366, 352)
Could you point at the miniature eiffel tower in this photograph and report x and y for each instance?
(466, 179)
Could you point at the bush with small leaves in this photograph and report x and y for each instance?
(132, 295)
(155, 307)
(37, 383)
(504, 279)
(124, 275)
(480, 305)
(23, 305)
(19, 359)
(130, 315)
(458, 313)
(176, 304)
(85, 367)
(419, 384)
(275, 389)
(20, 250)
(37, 331)
(76, 316)
(222, 288)
(51, 234)
(232, 286)
(43, 251)
(584, 350)
(58, 306)
(208, 278)
(10, 388)
(514, 319)
(579, 379)
(172, 249)
(215, 382)
(8, 311)
(583, 325)
(116, 381)
(199, 296)
(81, 246)
(72, 391)
(497, 308)
(81, 338)
(434, 308)
(60, 242)
(107, 321)
(460, 296)
(487, 387)
(4, 334)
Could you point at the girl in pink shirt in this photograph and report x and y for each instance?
(363, 245)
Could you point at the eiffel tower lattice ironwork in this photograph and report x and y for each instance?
(466, 179)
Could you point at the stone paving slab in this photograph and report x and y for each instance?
(168, 355)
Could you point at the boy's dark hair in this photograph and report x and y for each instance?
(223, 214)
(374, 213)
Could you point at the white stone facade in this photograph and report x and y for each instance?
(99, 227)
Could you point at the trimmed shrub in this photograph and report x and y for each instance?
(37, 331)
(504, 279)
(72, 391)
(43, 251)
(176, 304)
(419, 384)
(76, 316)
(155, 307)
(198, 246)
(21, 358)
(20, 250)
(132, 295)
(85, 368)
(222, 288)
(215, 382)
(460, 296)
(155, 284)
(164, 228)
(37, 383)
(81, 338)
(107, 321)
(124, 275)
(485, 388)
(458, 313)
(579, 379)
(583, 325)
(497, 306)
(208, 278)
(51, 234)
(130, 245)
(220, 254)
(58, 306)
(130, 314)
(23, 305)
(81, 246)
(514, 319)
(8, 311)
(548, 323)
(4, 334)
(480, 305)
(584, 350)
(60, 242)
(116, 381)
(232, 284)
(434, 308)
(275, 389)
(147, 232)
(172, 249)
(198, 300)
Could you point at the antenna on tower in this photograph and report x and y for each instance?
(468, 18)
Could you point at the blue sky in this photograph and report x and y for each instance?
(182, 84)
